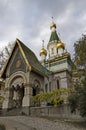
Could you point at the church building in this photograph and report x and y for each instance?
(25, 76)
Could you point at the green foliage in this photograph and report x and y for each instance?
(73, 98)
(82, 99)
(80, 52)
(77, 98)
(54, 97)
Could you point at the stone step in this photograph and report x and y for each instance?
(14, 112)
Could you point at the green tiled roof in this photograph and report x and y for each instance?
(33, 61)
(54, 36)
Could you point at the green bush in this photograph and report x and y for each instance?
(54, 97)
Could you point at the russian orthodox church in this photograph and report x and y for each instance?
(25, 76)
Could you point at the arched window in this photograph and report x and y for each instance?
(52, 50)
(36, 88)
(58, 84)
(34, 91)
(57, 51)
(50, 86)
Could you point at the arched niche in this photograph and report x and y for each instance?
(16, 89)
(36, 87)
(17, 77)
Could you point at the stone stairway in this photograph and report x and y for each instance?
(13, 112)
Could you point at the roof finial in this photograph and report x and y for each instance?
(42, 43)
(52, 24)
(52, 18)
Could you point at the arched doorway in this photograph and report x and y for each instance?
(16, 92)
(36, 90)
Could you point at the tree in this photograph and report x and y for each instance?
(77, 99)
(80, 53)
(4, 54)
(82, 99)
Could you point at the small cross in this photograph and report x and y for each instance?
(42, 43)
(52, 18)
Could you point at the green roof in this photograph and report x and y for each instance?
(54, 36)
(33, 61)
(31, 58)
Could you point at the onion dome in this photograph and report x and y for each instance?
(67, 53)
(60, 45)
(52, 25)
(43, 51)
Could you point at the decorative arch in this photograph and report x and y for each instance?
(36, 87)
(16, 89)
(15, 76)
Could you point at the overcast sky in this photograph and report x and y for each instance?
(29, 21)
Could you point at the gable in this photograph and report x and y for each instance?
(16, 63)
(21, 58)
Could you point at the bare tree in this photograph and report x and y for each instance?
(4, 53)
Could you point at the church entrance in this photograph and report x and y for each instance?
(16, 92)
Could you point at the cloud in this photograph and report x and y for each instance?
(29, 20)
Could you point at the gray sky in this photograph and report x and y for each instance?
(29, 20)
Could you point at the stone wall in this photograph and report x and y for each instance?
(62, 111)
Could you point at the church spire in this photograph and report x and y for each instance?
(54, 36)
(53, 25)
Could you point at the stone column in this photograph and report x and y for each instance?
(6, 100)
(27, 96)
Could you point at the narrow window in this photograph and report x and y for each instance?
(34, 91)
(58, 84)
(57, 50)
(52, 50)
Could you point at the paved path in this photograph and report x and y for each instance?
(12, 123)
(34, 123)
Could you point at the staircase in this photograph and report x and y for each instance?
(13, 112)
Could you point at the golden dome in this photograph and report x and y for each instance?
(67, 53)
(60, 45)
(43, 52)
(52, 25)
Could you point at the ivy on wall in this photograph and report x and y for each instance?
(54, 97)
